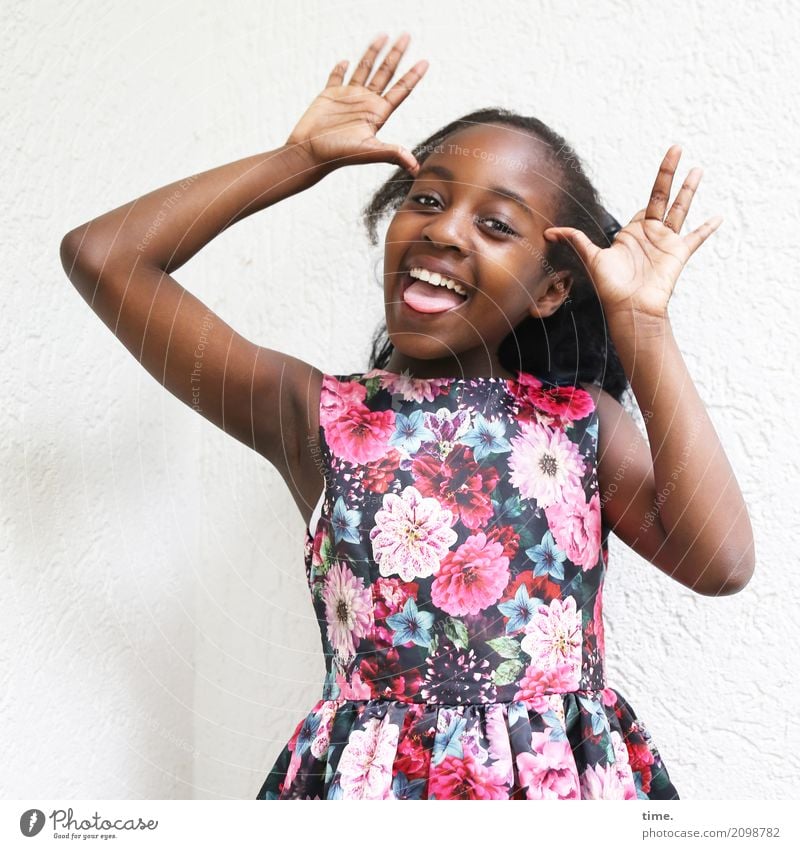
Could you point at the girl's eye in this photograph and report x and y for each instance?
(420, 198)
(504, 229)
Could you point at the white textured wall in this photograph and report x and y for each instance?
(157, 637)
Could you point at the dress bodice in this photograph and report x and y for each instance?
(459, 552)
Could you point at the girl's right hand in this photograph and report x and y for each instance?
(340, 125)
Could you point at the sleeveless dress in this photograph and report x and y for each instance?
(455, 563)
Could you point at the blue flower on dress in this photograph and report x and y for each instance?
(405, 789)
(307, 733)
(411, 625)
(519, 610)
(345, 523)
(410, 431)
(334, 789)
(597, 713)
(548, 557)
(553, 722)
(486, 438)
(448, 742)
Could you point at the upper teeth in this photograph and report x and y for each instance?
(436, 279)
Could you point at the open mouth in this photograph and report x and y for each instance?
(422, 296)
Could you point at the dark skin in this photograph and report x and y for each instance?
(493, 243)
(123, 266)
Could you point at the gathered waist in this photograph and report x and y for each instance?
(532, 699)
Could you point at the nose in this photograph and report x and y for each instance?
(447, 229)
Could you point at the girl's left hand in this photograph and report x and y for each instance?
(637, 272)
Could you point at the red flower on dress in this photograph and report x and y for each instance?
(507, 537)
(538, 587)
(380, 473)
(388, 677)
(560, 404)
(459, 484)
(413, 757)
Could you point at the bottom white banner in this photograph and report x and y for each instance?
(172, 823)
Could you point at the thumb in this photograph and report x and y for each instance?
(583, 246)
(394, 153)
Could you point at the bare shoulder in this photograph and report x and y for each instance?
(618, 433)
(286, 423)
(288, 394)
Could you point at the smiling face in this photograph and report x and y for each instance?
(476, 214)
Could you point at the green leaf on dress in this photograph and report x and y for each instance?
(508, 672)
(512, 507)
(327, 554)
(528, 538)
(373, 384)
(505, 647)
(456, 632)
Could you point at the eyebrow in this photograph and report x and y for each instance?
(447, 174)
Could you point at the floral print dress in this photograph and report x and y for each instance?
(456, 572)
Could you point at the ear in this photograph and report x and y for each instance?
(558, 287)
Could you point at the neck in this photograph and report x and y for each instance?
(478, 364)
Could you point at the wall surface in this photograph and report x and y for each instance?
(158, 640)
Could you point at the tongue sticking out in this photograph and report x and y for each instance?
(423, 297)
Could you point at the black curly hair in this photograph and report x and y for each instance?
(574, 343)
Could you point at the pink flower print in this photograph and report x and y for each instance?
(360, 435)
(553, 636)
(537, 684)
(599, 626)
(544, 463)
(499, 745)
(390, 595)
(471, 578)
(336, 397)
(291, 770)
(411, 535)
(353, 687)
(575, 525)
(365, 766)
(622, 766)
(448, 426)
(549, 771)
(603, 782)
(348, 610)
(608, 697)
(457, 778)
(321, 741)
(411, 388)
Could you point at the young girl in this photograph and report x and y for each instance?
(470, 479)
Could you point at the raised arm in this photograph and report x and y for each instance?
(120, 263)
(713, 557)
(677, 502)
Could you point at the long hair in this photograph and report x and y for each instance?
(574, 342)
